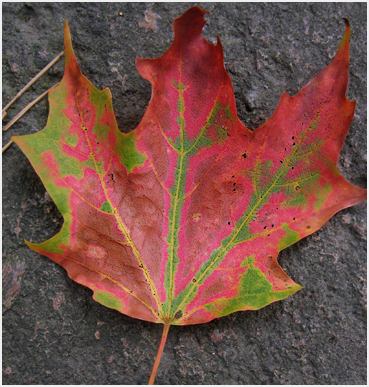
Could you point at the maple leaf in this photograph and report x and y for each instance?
(181, 221)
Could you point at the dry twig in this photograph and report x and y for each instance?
(31, 82)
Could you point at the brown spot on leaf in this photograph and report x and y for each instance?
(179, 314)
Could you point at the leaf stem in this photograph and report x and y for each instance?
(158, 355)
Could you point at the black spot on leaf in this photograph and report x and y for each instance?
(179, 314)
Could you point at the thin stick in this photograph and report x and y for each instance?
(31, 82)
(24, 110)
(160, 352)
(7, 146)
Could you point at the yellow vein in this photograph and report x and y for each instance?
(197, 140)
(57, 173)
(162, 131)
(300, 155)
(298, 180)
(109, 165)
(158, 179)
(65, 143)
(231, 242)
(118, 218)
(130, 292)
(207, 120)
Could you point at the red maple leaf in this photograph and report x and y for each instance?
(181, 221)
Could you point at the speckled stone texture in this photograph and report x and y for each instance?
(54, 333)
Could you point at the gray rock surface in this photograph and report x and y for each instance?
(54, 333)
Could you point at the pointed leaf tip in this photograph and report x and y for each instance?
(346, 36)
(348, 29)
(186, 28)
(71, 65)
(190, 24)
(67, 39)
(347, 22)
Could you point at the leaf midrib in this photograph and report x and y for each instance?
(176, 198)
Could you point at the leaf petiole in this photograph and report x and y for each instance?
(158, 355)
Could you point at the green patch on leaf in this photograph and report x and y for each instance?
(248, 261)
(322, 195)
(71, 140)
(54, 245)
(297, 200)
(290, 238)
(126, 149)
(100, 99)
(243, 234)
(106, 207)
(109, 300)
(255, 293)
(178, 85)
